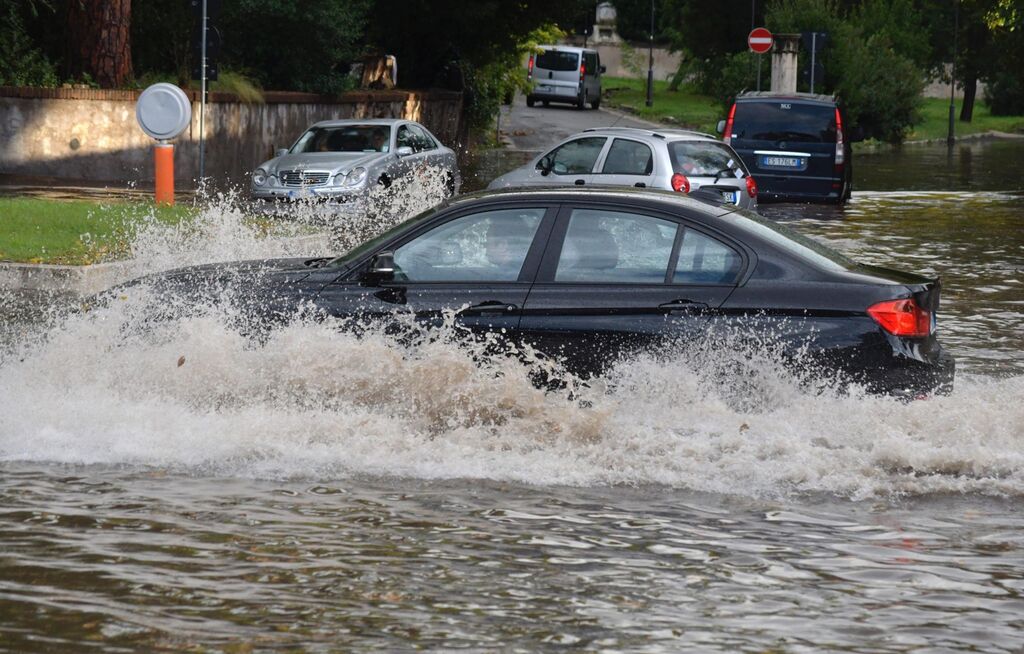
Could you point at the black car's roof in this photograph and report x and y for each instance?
(810, 98)
(668, 199)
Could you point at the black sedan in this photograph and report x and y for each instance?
(591, 275)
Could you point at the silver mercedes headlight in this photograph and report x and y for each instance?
(259, 177)
(355, 177)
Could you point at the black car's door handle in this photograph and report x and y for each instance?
(580, 182)
(678, 307)
(491, 308)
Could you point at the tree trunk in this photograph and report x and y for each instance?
(99, 41)
(680, 75)
(970, 91)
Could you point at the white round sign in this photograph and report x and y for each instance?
(163, 111)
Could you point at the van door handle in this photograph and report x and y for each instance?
(684, 306)
(580, 182)
(640, 185)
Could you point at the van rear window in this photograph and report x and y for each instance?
(785, 121)
(557, 60)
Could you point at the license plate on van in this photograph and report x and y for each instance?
(772, 161)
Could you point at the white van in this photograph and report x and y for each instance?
(564, 74)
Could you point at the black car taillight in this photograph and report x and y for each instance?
(902, 318)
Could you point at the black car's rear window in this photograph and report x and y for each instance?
(793, 242)
(557, 60)
(697, 158)
(781, 120)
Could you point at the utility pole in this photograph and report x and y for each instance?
(650, 62)
(202, 100)
(950, 137)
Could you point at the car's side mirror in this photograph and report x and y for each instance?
(280, 152)
(604, 69)
(382, 268)
(857, 134)
(720, 127)
(403, 151)
(545, 165)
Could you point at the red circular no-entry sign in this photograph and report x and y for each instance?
(760, 40)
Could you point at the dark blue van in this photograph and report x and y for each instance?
(793, 144)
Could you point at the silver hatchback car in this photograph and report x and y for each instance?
(676, 160)
(342, 161)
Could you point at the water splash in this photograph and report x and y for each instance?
(198, 394)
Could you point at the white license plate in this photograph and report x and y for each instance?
(732, 197)
(781, 162)
(300, 193)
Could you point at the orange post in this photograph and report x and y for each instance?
(163, 155)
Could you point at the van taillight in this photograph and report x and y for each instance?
(902, 318)
(751, 187)
(583, 71)
(840, 153)
(529, 71)
(680, 184)
(727, 135)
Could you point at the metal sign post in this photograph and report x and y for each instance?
(759, 41)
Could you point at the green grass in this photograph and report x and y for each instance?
(35, 230)
(935, 121)
(690, 109)
(684, 108)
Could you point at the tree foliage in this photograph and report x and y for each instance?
(22, 62)
(868, 64)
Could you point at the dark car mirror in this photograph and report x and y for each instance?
(720, 127)
(403, 151)
(382, 268)
(280, 152)
(604, 69)
(857, 134)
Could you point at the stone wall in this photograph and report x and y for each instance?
(93, 135)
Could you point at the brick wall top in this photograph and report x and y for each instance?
(270, 97)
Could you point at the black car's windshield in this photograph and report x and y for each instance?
(557, 60)
(781, 120)
(697, 158)
(793, 242)
(369, 246)
(347, 138)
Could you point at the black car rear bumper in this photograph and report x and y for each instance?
(910, 378)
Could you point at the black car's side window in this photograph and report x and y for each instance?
(627, 157)
(613, 246)
(704, 260)
(490, 246)
(575, 157)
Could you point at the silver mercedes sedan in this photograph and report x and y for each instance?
(344, 161)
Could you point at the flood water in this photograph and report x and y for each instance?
(190, 491)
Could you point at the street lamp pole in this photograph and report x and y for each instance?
(952, 78)
(650, 62)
